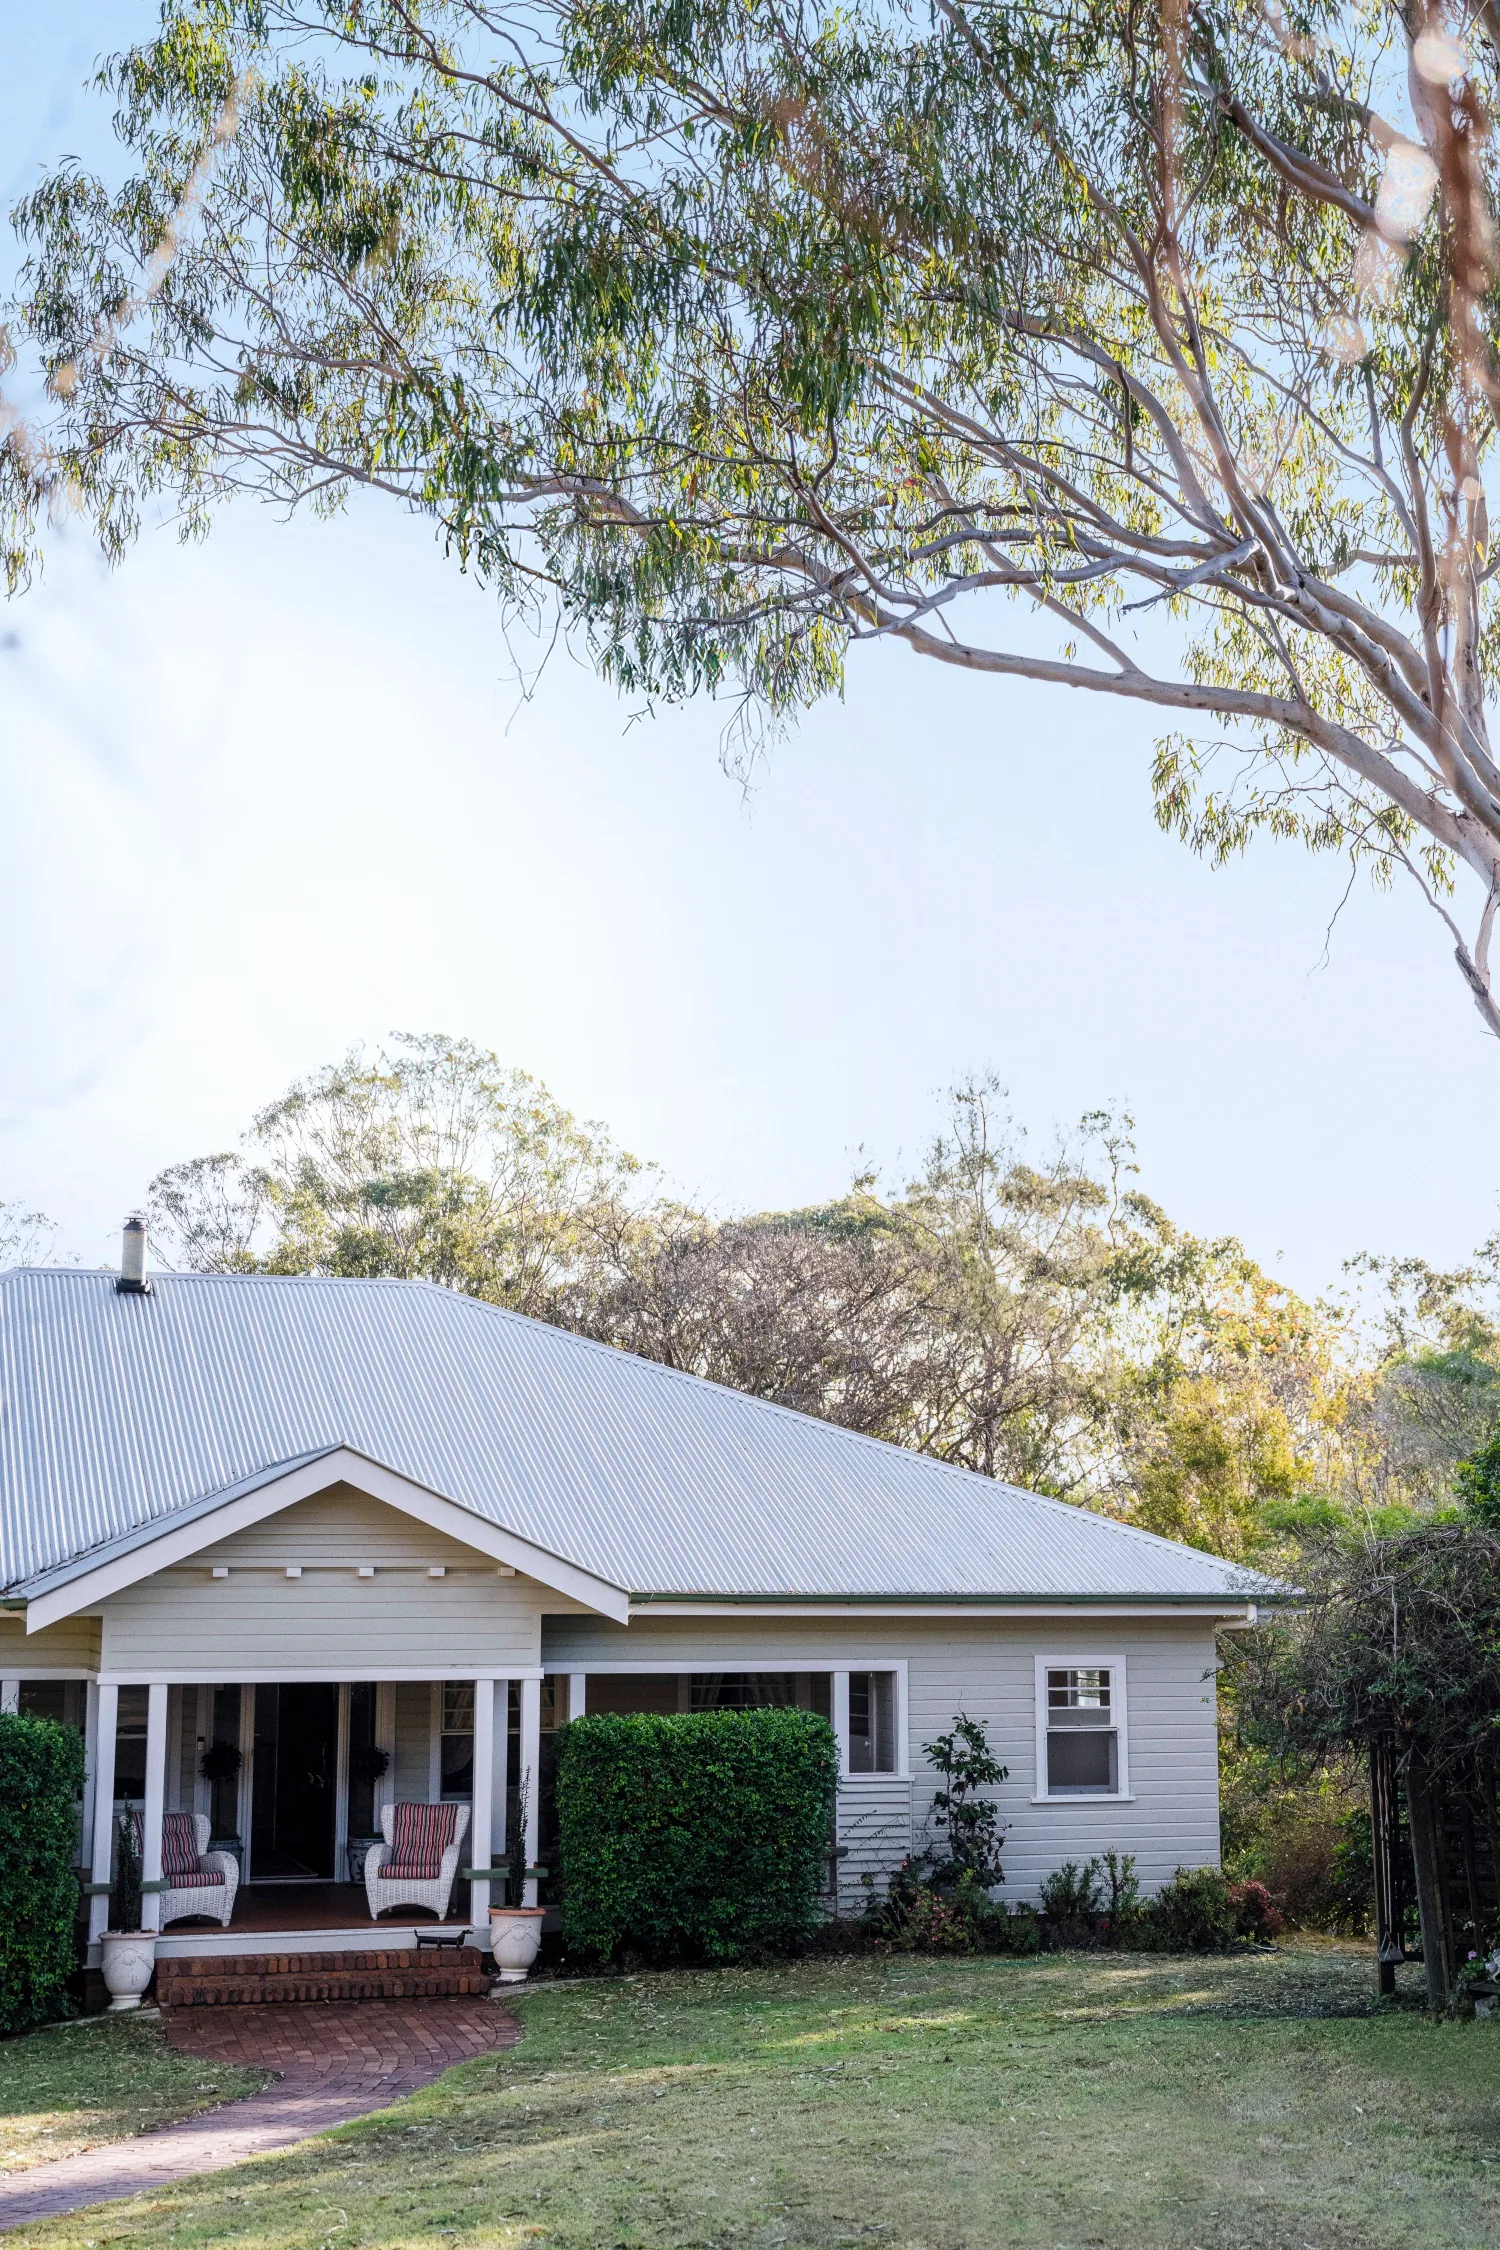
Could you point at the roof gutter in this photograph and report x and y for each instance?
(1263, 1595)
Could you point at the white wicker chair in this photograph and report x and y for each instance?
(384, 1892)
(215, 1900)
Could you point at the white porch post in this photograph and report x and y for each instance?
(578, 1694)
(500, 1774)
(156, 1777)
(104, 1806)
(841, 1718)
(10, 1695)
(90, 1772)
(531, 1763)
(203, 1734)
(481, 1818)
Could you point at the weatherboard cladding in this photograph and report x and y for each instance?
(117, 1412)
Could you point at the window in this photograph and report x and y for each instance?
(742, 1691)
(363, 1759)
(456, 1741)
(62, 1701)
(872, 1722)
(130, 1743)
(1081, 1720)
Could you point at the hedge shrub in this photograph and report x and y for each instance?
(704, 1837)
(41, 1775)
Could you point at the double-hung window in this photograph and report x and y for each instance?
(1081, 1728)
(130, 1744)
(456, 1739)
(872, 1722)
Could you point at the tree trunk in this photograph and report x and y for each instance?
(1385, 1839)
(1427, 1867)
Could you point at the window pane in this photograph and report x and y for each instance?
(872, 1722)
(130, 1742)
(361, 1808)
(458, 1765)
(1085, 1689)
(742, 1691)
(458, 1707)
(1081, 1761)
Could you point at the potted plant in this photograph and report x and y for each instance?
(1478, 1985)
(129, 1951)
(516, 1929)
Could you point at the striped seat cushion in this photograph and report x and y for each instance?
(420, 1834)
(180, 1864)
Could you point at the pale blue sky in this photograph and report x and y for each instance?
(265, 797)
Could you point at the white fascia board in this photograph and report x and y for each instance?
(1216, 1610)
(176, 1544)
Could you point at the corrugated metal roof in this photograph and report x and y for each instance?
(118, 1412)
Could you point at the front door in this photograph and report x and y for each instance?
(293, 1784)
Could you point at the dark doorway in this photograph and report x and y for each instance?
(292, 1797)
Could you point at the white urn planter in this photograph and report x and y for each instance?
(515, 1939)
(129, 1959)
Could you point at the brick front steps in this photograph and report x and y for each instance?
(235, 1979)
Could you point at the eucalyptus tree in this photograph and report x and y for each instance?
(428, 1160)
(26, 1237)
(1144, 350)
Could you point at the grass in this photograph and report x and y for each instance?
(1076, 2103)
(78, 2084)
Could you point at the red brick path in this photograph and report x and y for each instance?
(335, 2063)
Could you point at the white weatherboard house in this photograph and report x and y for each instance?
(314, 1521)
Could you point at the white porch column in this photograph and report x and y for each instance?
(10, 1695)
(104, 1807)
(500, 1774)
(481, 1818)
(578, 1694)
(841, 1718)
(156, 1779)
(203, 1734)
(531, 1766)
(90, 1770)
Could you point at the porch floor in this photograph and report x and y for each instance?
(323, 1906)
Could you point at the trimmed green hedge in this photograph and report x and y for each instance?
(41, 1775)
(704, 1837)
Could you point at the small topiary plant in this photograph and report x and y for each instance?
(125, 1899)
(41, 1778)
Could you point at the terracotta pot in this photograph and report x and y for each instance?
(515, 1937)
(129, 1959)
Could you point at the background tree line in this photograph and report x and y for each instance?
(1035, 1317)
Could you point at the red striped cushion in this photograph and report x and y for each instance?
(180, 1864)
(420, 1834)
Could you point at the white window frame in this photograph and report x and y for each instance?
(1113, 1662)
(435, 1741)
(838, 1667)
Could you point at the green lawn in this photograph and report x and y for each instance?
(83, 2083)
(1130, 2103)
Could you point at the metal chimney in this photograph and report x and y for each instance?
(132, 1281)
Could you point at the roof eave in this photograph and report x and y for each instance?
(1263, 1595)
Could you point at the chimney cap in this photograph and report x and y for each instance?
(132, 1281)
